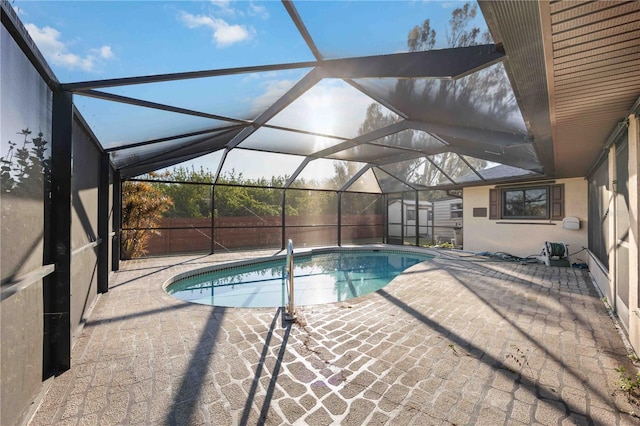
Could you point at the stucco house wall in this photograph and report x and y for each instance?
(524, 237)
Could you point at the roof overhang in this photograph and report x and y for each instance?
(575, 67)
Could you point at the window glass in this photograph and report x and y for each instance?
(456, 211)
(526, 202)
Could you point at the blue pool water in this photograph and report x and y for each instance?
(318, 278)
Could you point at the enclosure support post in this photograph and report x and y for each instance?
(213, 209)
(340, 219)
(103, 224)
(57, 292)
(385, 219)
(403, 218)
(433, 219)
(284, 192)
(417, 220)
(117, 221)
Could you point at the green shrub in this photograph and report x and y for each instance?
(630, 385)
(142, 208)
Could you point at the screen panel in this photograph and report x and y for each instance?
(362, 220)
(332, 108)
(25, 137)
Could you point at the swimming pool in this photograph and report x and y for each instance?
(322, 277)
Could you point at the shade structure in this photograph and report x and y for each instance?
(408, 109)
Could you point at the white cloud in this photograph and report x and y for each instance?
(255, 10)
(57, 52)
(274, 89)
(224, 6)
(449, 4)
(106, 52)
(224, 33)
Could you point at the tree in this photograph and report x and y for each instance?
(486, 91)
(482, 94)
(459, 33)
(422, 37)
(238, 196)
(142, 208)
(189, 201)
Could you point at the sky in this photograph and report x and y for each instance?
(87, 40)
(92, 40)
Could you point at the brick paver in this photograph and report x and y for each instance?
(450, 341)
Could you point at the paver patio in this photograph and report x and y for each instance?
(450, 341)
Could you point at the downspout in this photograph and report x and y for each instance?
(613, 261)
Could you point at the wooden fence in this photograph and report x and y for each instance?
(191, 235)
